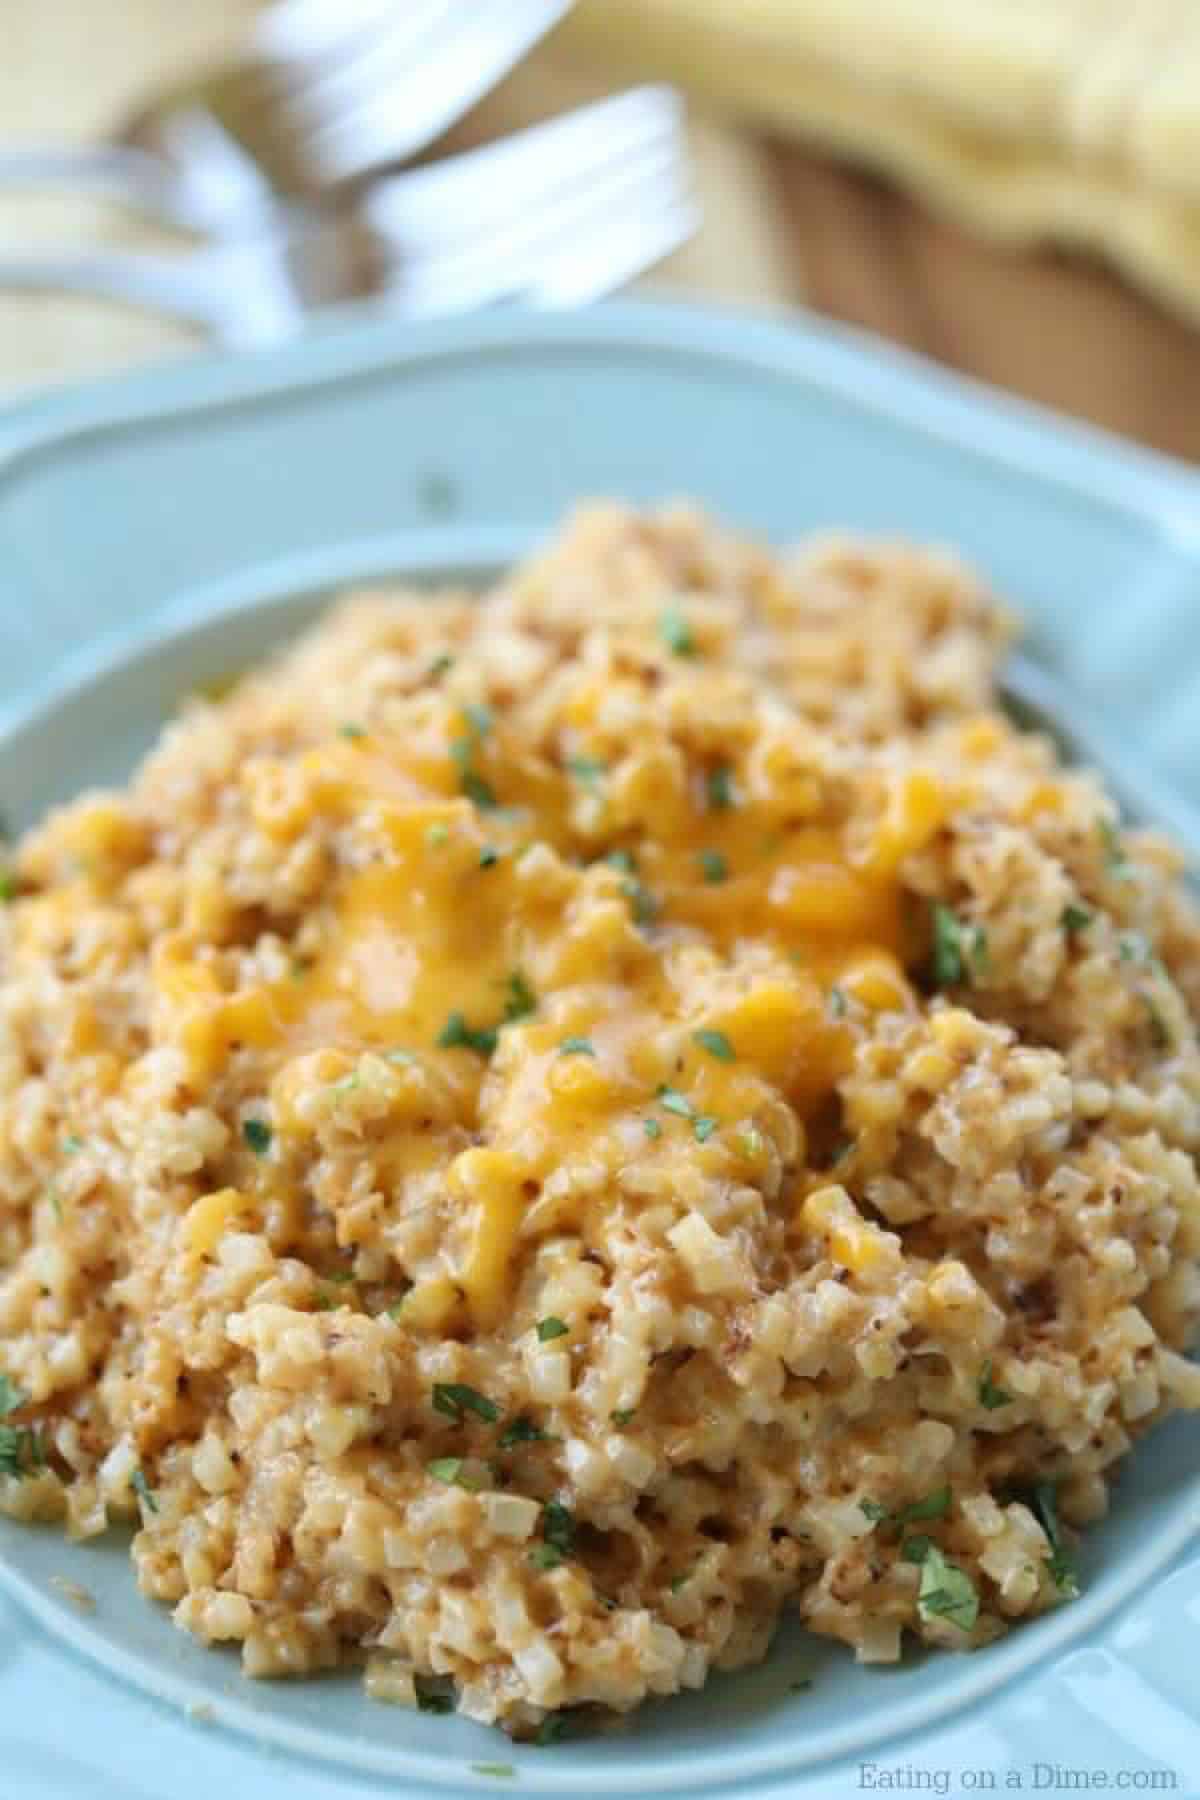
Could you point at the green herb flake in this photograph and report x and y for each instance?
(71, 1145)
(8, 886)
(934, 1505)
(1160, 1034)
(916, 1548)
(480, 719)
(55, 1199)
(22, 1452)
(558, 1527)
(716, 1043)
(713, 866)
(676, 632)
(672, 1101)
(1116, 858)
(577, 1046)
(143, 1490)
(946, 1591)
(489, 856)
(1132, 947)
(478, 791)
(873, 1510)
(451, 1472)
(624, 860)
(679, 1582)
(456, 1034)
(1060, 1562)
(718, 789)
(836, 1003)
(12, 1398)
(441, 665)
(523, 1430)
(1074, 919)
(949, 964)
(435, 1693)
(545, 1556)
(552, 1728)
(501, 1771)
(652, 1128)
(991, 1396)
(520, 999)
(437, 835)
(645, 906)
(550, 1328)
(586, 769)
(352, 731)
(622, 1416)
(454, 1399)
(704, 1126)
(257, 1135)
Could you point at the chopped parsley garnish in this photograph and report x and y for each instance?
(680, 1581)
(719, 789)
(676, 633)
(456, 1034)
(672, 1101)
(12, 1398)
(946, 1591)
(71, 1144)
(257, 1134)
(713, 865)
(522, 1430)
(480, 718)
(488, 857)
(958, 949)
(440, 665)
(704, 1127)
(8, 886)
(520, 1000)
(645, 906)
(577, 1046)
(558, 1527)
(352, 731)
(652, 1128)
(550, 1328)
(143, 1490)
(624, 860)
(435, 1693)
(451, 1471)
(991, 1396)
(622, 1416)
(500, 1770)
(478, 791)
(836, 1003)
(455, 1399)
(55, 1199)
(1074, 919)
(1060, 1562)
(716, 1043)
(587, 769)
(1116, 857)
(545, 1556)
(552, 1728)
(438, 834)
(1160, 1035)
(932, 1506)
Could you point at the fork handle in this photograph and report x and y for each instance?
(118, 172)
(159, 284)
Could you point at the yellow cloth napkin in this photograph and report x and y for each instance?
(1073, 120)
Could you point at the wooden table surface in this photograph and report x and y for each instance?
(783, 226)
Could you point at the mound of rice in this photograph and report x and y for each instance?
(543, 1128)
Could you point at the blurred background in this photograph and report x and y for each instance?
(1009, 186)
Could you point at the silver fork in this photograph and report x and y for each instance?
(561, 212)
(356, 85)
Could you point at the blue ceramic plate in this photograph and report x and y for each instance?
(160, 531)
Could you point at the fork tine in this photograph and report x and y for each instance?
(302, 33)
(424, 206)
(389, 102)
(513, 258)
(589, 272)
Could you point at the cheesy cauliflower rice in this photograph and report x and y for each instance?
(542, 1129)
